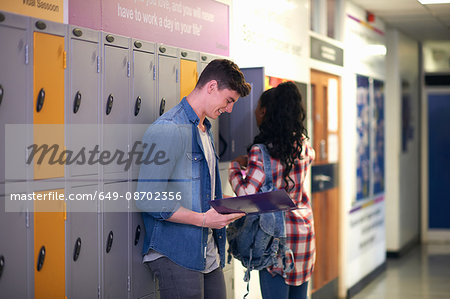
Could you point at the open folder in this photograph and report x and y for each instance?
(257, 203)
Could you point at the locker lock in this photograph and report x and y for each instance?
(138, 44)
(109, 104)
(137, 106)
(76, 249)
(76, 102)
(109, 38)
(77, 32)
(109, 242)
(2, 264)
(1, 94)
(2, 17)
(40, 25)
(41, 258)
(40, 100)
(137, 235)
(184, 53)
(204, 58)
(162, 106)
(162, 49)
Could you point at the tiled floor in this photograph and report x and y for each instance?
(424, 272)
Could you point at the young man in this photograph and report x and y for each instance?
(185, 238)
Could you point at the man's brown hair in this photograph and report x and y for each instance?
(227, 74)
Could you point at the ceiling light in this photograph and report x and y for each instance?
(434, 1)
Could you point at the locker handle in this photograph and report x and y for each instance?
(2, 17)
(162, 106)
(109, 242)
(138, 44)
(77, 32)
(109, 104)
(40, 100)
(40, 25)
(204, 58)
(41, 258)
(137, 106)
(137, 235)
(1, 94)
(2, 264)
(76, 102)
(77, 249)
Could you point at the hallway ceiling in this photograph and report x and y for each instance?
(418, 21)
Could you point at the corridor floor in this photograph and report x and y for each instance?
(423, 272)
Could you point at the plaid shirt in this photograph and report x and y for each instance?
(299, 222)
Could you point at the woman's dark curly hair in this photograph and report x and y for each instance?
(282, 129)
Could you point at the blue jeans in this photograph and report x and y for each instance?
(276, 288)
(177, 282)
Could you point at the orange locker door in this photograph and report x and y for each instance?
(49, 271)
(188, 77)
(48, 105)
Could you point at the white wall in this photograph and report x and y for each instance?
(402, 167)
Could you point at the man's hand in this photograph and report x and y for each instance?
(213, 219)
(242, 160)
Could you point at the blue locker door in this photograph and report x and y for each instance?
(438, 160)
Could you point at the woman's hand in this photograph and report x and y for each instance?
(213, 219)
(242, 160)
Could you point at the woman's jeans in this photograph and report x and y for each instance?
(276, 288)
(176, 282)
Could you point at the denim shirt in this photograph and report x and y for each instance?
(185, 172)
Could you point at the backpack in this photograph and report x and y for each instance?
(258, 240)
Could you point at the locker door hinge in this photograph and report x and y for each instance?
(154, 72)
(27, 219)
(26, 55)
(98, 64)
(64, 59)
(129, 284)
(128, 69)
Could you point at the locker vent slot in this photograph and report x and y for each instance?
(40, 100)
(41, 258)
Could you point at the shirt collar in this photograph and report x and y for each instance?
(192, 116)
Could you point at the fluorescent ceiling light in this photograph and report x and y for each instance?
(434, 1)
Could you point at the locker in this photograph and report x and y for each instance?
(204, 60)
(143, 283)
(14, 92)
(49, 59)
(82, 105)
(168, 79)
(116, 279)
(115, 103)
(188, 71)
(143, 100)
(82, 254)
(14, 264)
(238, 129)
(49, 249)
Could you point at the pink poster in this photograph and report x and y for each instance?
(201, 25)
